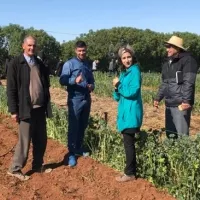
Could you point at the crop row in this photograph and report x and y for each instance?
(170, 164)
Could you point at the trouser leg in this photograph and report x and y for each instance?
(22, 148)
(169, 124)
(177, 122)
(84, 117)
(74, 111)
(39, 136)
(129, 146)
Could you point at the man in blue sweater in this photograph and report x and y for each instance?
(78, 78)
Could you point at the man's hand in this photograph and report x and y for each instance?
(15, 117)
(155, 104)
(79, 79)
(184, 106)
(115, 81)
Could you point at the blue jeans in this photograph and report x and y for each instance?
(78, 116)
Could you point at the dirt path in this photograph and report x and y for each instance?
(90, 180)
(153, 119)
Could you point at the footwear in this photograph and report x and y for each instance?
(72, 161)
(18, 174)
(125, 178)
(82, 153)
(43, 169)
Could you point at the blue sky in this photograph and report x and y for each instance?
(67, 19)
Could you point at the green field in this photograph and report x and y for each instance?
(170, 164)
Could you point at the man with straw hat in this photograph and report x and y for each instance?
(177, 87)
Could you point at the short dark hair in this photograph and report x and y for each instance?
(80, 43)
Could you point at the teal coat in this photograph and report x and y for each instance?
(128, 95)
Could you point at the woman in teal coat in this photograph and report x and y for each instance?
(130, 109)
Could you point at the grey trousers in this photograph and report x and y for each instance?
(177, 122)
(31, 129)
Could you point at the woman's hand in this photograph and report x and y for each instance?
(115, 81)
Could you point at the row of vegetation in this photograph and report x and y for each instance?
(148, 45)
(168, 164)
(150, 84)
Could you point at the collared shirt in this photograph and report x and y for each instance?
(71, 70)
(29, 59)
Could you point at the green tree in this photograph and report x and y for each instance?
(148, 45)
(14, 35)
(3, 53)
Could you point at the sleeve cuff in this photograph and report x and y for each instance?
(117, 85)
(186, 101)
(73, 81)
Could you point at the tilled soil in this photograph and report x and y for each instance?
(101, 106)
(89, 180)
(153, 118)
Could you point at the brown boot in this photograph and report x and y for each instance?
(125, 178)
(18, 174)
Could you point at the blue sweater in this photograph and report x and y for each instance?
(128, 95)
(71, 70)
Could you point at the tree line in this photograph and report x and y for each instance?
(147, 44)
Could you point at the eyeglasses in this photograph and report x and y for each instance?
(168, 46)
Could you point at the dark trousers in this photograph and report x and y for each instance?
(177, 122)
(129, 146)
(78, 116)
(111, 72)
(31, 129)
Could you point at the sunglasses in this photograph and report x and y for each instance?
(168, 46)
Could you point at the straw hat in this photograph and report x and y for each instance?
(176, 41)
